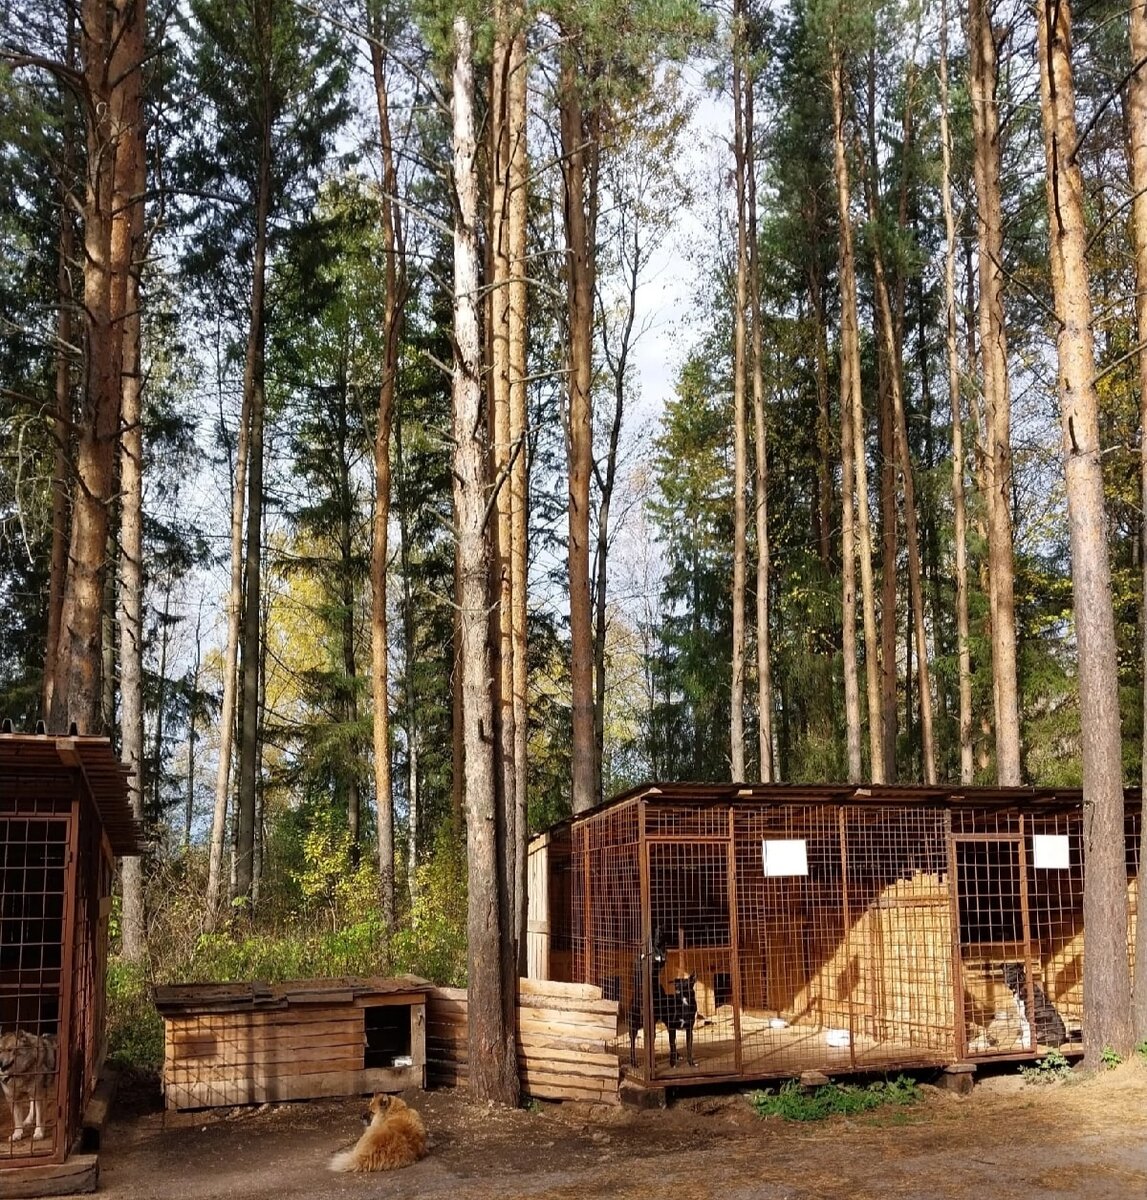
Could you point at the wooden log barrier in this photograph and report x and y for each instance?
(564, 1031)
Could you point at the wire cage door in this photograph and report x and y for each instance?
(694, 962)
(994, 944)
(34, 856)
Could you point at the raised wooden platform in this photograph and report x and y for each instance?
(76, 1175)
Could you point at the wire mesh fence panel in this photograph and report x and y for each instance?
(89, 938)
(795, 972)
(601, 875)
(899, 940)
(692, 956)
(33, 865)
(788, 934)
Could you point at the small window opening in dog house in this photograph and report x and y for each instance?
(387, 1035)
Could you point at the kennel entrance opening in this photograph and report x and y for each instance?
(690, 904)
(994, 936)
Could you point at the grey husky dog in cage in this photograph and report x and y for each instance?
(675, 1012)
(27, 1075)
(1045, 1020)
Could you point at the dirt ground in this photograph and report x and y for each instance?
(1083, 1138)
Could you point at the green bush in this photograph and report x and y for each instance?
(135, 1030)
(1049, 1069)
(794, 1103)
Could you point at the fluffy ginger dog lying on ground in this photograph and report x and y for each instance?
(394, 1137)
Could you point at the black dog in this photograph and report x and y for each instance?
(675, 1012)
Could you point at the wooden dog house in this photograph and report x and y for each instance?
(834, 928)
(64, 816)
(249, 1043)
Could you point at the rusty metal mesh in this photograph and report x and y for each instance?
(34, 852)
(787, 937)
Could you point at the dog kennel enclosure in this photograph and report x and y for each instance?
(250, 1043)
(64, 816)
(835, 928)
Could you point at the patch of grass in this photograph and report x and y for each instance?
(1141, 1050)
(793, 1103)
(1052, 1068)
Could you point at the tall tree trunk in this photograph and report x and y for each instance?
(889, 546)
(108, 41)
(997, 405)
(904, 460)
(959, 515)
(492, 1054)
(761, 459)
(579, 149)
(741, 153)
(253, 389)
(230, 668)
(413, 736)
(131, 183)
(62, 415)
(394, 306)
(617, 361)
(823, 419)
(851, 403)
(347, 605)
(193, 729)
(1137, 124)
(519, 472)
(498, 334)
(1106, 973)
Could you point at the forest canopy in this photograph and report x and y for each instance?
(337, 488)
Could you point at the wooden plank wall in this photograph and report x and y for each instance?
(564, 1035)
(538, 914)
(213, 1059)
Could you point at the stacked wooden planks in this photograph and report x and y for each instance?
(254, 1043)
(564, 1033)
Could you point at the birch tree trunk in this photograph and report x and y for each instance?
(997, 402)
(959, 516)
(492, 1054)
(1137, 121)
(1106, 973)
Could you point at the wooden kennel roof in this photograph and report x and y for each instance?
(177, 999)
(104, 776)
(708, 795)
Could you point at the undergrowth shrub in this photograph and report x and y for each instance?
(135, 1030)
(322, 921)
(1052, 1068)
(794, 1103)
